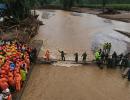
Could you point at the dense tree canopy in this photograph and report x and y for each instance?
(86, 1)
(16, 8)
(21, 8)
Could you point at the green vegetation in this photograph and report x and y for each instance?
(114, 6)
(67, 4)
(17, 8)
(21, 8)
(120, 6)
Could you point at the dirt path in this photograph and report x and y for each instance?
(75, 83)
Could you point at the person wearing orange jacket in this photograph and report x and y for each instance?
(17, 70)
(11, 81)
(6, 67)
(1, 62)
(3, 72)
(47, 55)
(17, 64)
(9, 97)
(27, 60)
(3, 84)
(18, 81)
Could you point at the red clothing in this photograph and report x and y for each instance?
(47, 55)
(3, 84)
(18, 79)
(9, 97)
(11, 79)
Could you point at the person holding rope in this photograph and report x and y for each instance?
(76, 57)
(84, 56)
(62, 55)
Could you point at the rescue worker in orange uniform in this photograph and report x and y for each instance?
(3, 84)
(27, 62)
(47, 55)
(18, 81)
(11, 81)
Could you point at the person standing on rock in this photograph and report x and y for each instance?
(62, 55)
(76, 57)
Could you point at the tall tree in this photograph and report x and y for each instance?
(67, 4)
(19, 8)
(103, 4)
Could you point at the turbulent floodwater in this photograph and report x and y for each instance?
(74, 32)
(79, 32)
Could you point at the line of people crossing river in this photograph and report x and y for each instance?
(16, 59)
(102, 58)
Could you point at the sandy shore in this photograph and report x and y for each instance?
(120, 17)
(124, 16)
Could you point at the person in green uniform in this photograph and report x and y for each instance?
(23, 74)
(98, 58)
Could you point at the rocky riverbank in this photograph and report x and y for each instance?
(22, 31)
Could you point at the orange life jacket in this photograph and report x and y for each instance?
(18, 79)
(3, 84)
(9, 97)
(47, 55)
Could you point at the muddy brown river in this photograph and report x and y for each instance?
(77, 32)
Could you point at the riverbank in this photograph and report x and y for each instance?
(22, 31)
(123, 32)
(123, 16)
